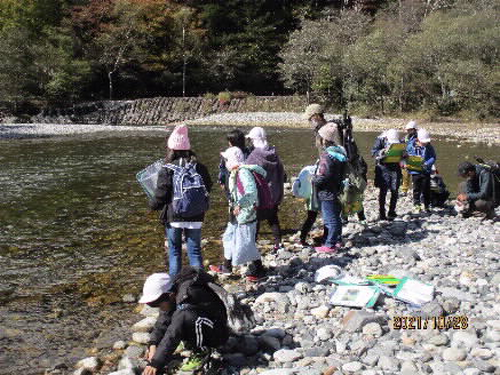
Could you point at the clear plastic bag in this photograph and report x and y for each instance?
(148, 177)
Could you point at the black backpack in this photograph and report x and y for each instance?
(192, 280)
(494, 168)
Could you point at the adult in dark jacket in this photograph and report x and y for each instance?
(478, 190)
(387, 175)
(179, 153)
(266, 157)
(328, 184)
(189, 312)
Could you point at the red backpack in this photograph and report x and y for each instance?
(263, 191)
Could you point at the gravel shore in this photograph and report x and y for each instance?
(300, 332)
(466, 131)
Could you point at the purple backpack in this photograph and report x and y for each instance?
(263, 191)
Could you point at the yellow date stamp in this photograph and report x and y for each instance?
(432, 322)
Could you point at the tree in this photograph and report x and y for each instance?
(314, 57)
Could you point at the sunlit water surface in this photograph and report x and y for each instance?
(76, 234)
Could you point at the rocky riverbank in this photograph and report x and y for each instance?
(299, 332)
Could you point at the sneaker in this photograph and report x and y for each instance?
(221, 269)
(196, 361)
(256, 277)
(391, 216)
(326, 249)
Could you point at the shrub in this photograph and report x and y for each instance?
(224, 97)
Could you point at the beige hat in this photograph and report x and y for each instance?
(312, 109)
(330, 132)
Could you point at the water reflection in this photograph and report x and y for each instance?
(75, 231)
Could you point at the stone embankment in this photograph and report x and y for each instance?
(162, 110)
(300, 332)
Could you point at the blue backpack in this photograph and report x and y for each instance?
(190, 194)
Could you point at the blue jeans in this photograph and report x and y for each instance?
(193, 238)
(330, 210)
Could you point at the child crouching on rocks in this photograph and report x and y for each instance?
(189, 312)
(239, 238)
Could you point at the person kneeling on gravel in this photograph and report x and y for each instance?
(189, 312)
(477, 191)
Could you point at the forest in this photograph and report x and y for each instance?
(369, 56)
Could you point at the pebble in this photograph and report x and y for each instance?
(454, 354)
(90, 363)
(373, 329)
(352, 367)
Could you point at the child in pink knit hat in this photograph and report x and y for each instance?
(177, 226)
(179, 139)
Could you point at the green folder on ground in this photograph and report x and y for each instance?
(384, 279)
(415, 163)
(395, 153)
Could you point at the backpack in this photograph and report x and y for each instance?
(239, 316)
(302, 187)
(190, 196)
(265, 198)
(494, 168)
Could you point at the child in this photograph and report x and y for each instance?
(239, 237)
(327, 181)
(439, 193)
(266, 157)
(189, 312)
(179, 154)
(387, 175)
(421, 177)
(234, 138)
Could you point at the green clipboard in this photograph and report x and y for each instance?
(395, 153)
(415, 163)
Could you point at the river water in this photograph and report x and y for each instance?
(76, 234)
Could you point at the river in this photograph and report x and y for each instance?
(76, 234)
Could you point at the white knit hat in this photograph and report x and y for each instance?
(256, 133)
(155, 285)
(423, 136)
(233, 156)
(392, 136)
(411, 125)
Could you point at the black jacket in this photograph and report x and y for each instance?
(162, 199)
(200, 320)
(481, 185)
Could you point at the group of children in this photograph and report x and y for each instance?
(253, 178)
(248, 172)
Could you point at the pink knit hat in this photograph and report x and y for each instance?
(179, 139)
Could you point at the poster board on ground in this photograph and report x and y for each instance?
(355, 296)
(414, 292)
